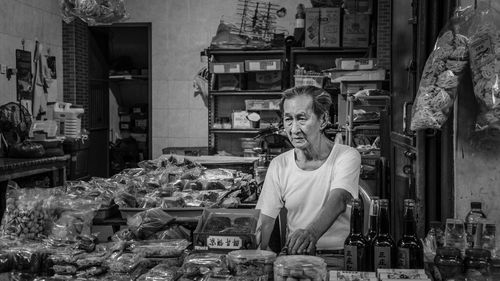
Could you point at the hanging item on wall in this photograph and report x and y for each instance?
(93, 12)
(50, 74)
(23, 75)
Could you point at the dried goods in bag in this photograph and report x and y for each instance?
(442, 71)
(484, 53)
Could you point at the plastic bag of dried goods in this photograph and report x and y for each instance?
(484, 55)
(26, 215)
(146, 223)
(442, 71)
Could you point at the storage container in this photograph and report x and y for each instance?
(299, 267)
(251, 265)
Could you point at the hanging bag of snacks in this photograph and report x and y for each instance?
(484, 53)
(442, 71)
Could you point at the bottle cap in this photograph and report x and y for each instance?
(475, 205)
(478, 253)
(448, 251)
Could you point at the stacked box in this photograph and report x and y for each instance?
(356, 31)
(329, 28)
(312, 27)
(224, 230)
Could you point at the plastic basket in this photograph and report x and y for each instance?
(309, 80)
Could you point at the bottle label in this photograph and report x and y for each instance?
(382, 257)
(299, 23)
(351, 258)
(403, 258)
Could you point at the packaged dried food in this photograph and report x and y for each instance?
(298, 267)
(91, 260)
(161, 272)
(123, 235)
(251, 264)
(125, 262)
(26, 215)
(442, 71)
(173, 232)
(146, 223)
(159, 248)
(64, 269)
(28, 258)
(484, 50)
(5, 262)
(91, 271)
(201, 264)
(172, 202)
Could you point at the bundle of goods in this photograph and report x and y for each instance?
(199, 266)
(438, 85)
(299, 268)
(173, 183)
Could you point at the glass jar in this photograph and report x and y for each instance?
(449, 264)
(495, 269)
(477, 264)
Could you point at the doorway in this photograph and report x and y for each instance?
(125, 54)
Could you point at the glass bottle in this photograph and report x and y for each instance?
(449, 263)
(410, 249)
(299, 31)
(384, 248)
(356, 257)
(372, 230)
(473, 217)
(477, 263)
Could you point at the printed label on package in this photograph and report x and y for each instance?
(224, 242)
(403, 258)
(351, 258)
(382, 257)
(481, 51)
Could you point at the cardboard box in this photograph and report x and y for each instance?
(358, 6)
(227, 67)
(355, 64)
(271, 104)
(356, 31)
(229, 82)
(210, 239)
(263, 65)
(264, 80)
(329, 27)
(312, 27)
(357, 75)
(239, 120)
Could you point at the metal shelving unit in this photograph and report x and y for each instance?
(222, 102)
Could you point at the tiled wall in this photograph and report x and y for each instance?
(28, 19)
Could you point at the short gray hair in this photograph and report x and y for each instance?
(321, 100)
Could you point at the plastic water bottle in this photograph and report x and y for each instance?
(472, 219)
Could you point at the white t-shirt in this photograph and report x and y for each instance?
(303, 193)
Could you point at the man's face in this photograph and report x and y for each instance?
(302, 126)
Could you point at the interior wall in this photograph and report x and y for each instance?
(180, 31)
(28, 19)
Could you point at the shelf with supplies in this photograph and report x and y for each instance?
(247, 93)
(244, 92)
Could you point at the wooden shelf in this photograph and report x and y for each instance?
(247, 93)
(234, 131)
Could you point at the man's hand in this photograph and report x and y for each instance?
(302, 241)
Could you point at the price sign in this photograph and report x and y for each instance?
(224, 242)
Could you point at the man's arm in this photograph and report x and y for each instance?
(266, 227)
(304, 240)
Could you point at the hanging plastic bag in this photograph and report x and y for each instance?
(484, 53)
(442, 71)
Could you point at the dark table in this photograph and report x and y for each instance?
(16, 168)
